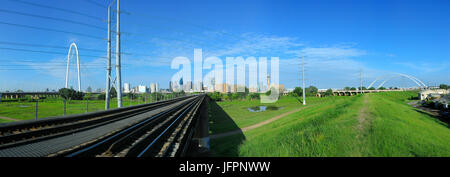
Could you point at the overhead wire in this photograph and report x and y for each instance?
(57, 9)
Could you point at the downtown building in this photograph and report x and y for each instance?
(126, 88)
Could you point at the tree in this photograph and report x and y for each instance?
(363, 88)
(372, 88)
(101, 96)
(443, 86)
(298, 91)
(242, 95)
(254, 96)
(329, 92)
(225, 97)
(70, 94)
(216, 96)
(19, 91)
(353, 88)
(66, 93)
(88, 96)
(113, 92)
(235, 96)
(311, 91)
(346, 88)
(382, 88)
(228, 97)
(132, 96)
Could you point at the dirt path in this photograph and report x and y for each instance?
(234, 132)
(364, 124)
(362, 116)
(7, 118)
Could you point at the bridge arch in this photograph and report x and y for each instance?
(394, 75)
(73, 45)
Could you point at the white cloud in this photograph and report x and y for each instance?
(425, 66)
(333, 52)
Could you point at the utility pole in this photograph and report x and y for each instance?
(108, 66)
(118, 65)
(303, 78)
(37, 107)
(360, 80)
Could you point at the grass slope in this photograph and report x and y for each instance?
(230, 115)
(330, 128)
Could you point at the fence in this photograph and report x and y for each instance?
(34, 109)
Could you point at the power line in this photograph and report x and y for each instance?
(48, 29)
(37, 69)
(59, 47)
(96, 3)
(52, 18)
(46, 46)
(58, 9)
(40, 64)
(48, 52)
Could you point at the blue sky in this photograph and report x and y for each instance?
(338, 38)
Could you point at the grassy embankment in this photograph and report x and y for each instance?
(343, 126)
(229, 115)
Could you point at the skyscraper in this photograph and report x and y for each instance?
(152, 88)
(126, 88)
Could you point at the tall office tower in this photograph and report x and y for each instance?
(126, 88)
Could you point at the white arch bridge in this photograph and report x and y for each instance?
(381, 80)
(73, 45)
(389, 77)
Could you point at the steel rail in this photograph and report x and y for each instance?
(178, 135)
(123, 133)
(165, 130)
(139, 131)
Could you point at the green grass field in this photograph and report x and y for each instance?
(379, 124)
(55, 107)
(242, 117)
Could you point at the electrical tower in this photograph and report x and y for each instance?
(118, 79)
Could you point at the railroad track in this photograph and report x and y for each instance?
(121, 132)
(161, 135)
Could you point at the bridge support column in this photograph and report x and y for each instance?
(202, 133)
